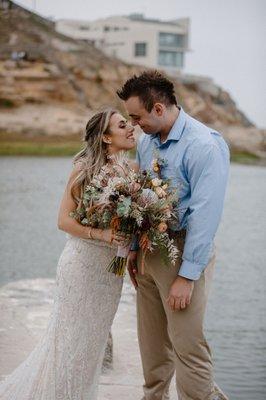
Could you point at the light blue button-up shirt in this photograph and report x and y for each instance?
(197, 163)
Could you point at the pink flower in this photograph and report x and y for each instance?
(162, 227)
(134, 187)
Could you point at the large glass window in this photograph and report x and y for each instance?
(140, 49)
(170, 58)
(84, 28)
(171, 40)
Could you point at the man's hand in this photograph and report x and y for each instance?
(180, 293)
(132, 267)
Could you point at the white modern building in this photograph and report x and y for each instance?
(135, 39)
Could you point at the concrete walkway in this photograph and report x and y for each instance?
(25, 307)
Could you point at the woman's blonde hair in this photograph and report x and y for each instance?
(94, 155)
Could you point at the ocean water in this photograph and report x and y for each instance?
(30, 244)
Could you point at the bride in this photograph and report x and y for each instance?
(66, 364)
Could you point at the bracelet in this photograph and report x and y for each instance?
(112, 237)
(89, 232)
(101, 234)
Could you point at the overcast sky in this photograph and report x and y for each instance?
(227, 39)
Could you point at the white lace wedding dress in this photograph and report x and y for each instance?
(66, 364)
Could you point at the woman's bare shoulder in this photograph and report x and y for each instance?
(77, 167)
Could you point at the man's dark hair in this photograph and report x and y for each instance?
(151, 87)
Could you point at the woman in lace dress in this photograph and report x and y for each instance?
(66, 364)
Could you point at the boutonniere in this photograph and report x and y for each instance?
(158, 163)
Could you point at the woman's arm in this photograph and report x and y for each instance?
(72, 226)
(65, 222)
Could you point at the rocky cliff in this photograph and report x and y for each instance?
(50, 84)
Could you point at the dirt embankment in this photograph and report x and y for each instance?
(60, 82)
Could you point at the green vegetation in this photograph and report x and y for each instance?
(6, 103)
(67, 148)
(244, 158)
(39, 149)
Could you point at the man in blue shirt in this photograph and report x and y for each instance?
(171, 301)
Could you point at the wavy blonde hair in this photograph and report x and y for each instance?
(94, 155)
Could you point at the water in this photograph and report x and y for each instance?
(30, 244)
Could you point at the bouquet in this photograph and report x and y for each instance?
(140, 204)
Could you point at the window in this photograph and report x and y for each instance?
(170, 58)
(171, 40)
(140, 49)
(84, 28)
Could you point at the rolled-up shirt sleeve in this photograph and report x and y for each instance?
(206, 166)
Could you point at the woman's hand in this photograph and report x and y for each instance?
(110, 236)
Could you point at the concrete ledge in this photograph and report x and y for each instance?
(25, 307)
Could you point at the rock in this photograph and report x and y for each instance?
(64, 120)
(250, 140)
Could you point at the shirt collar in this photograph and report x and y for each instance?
(176, 130)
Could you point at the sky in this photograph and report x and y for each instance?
(227, 41)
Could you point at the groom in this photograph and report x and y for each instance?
(171, 301)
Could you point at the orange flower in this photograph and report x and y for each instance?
(115, 223)
(155, 166)
(91, 209)
(144, 241)
(162, 227)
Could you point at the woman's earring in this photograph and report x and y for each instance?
(107, 141)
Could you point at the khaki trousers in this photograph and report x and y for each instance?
(173, 341)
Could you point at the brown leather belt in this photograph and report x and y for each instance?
(177, 234)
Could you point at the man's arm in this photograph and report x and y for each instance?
(207, 172)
